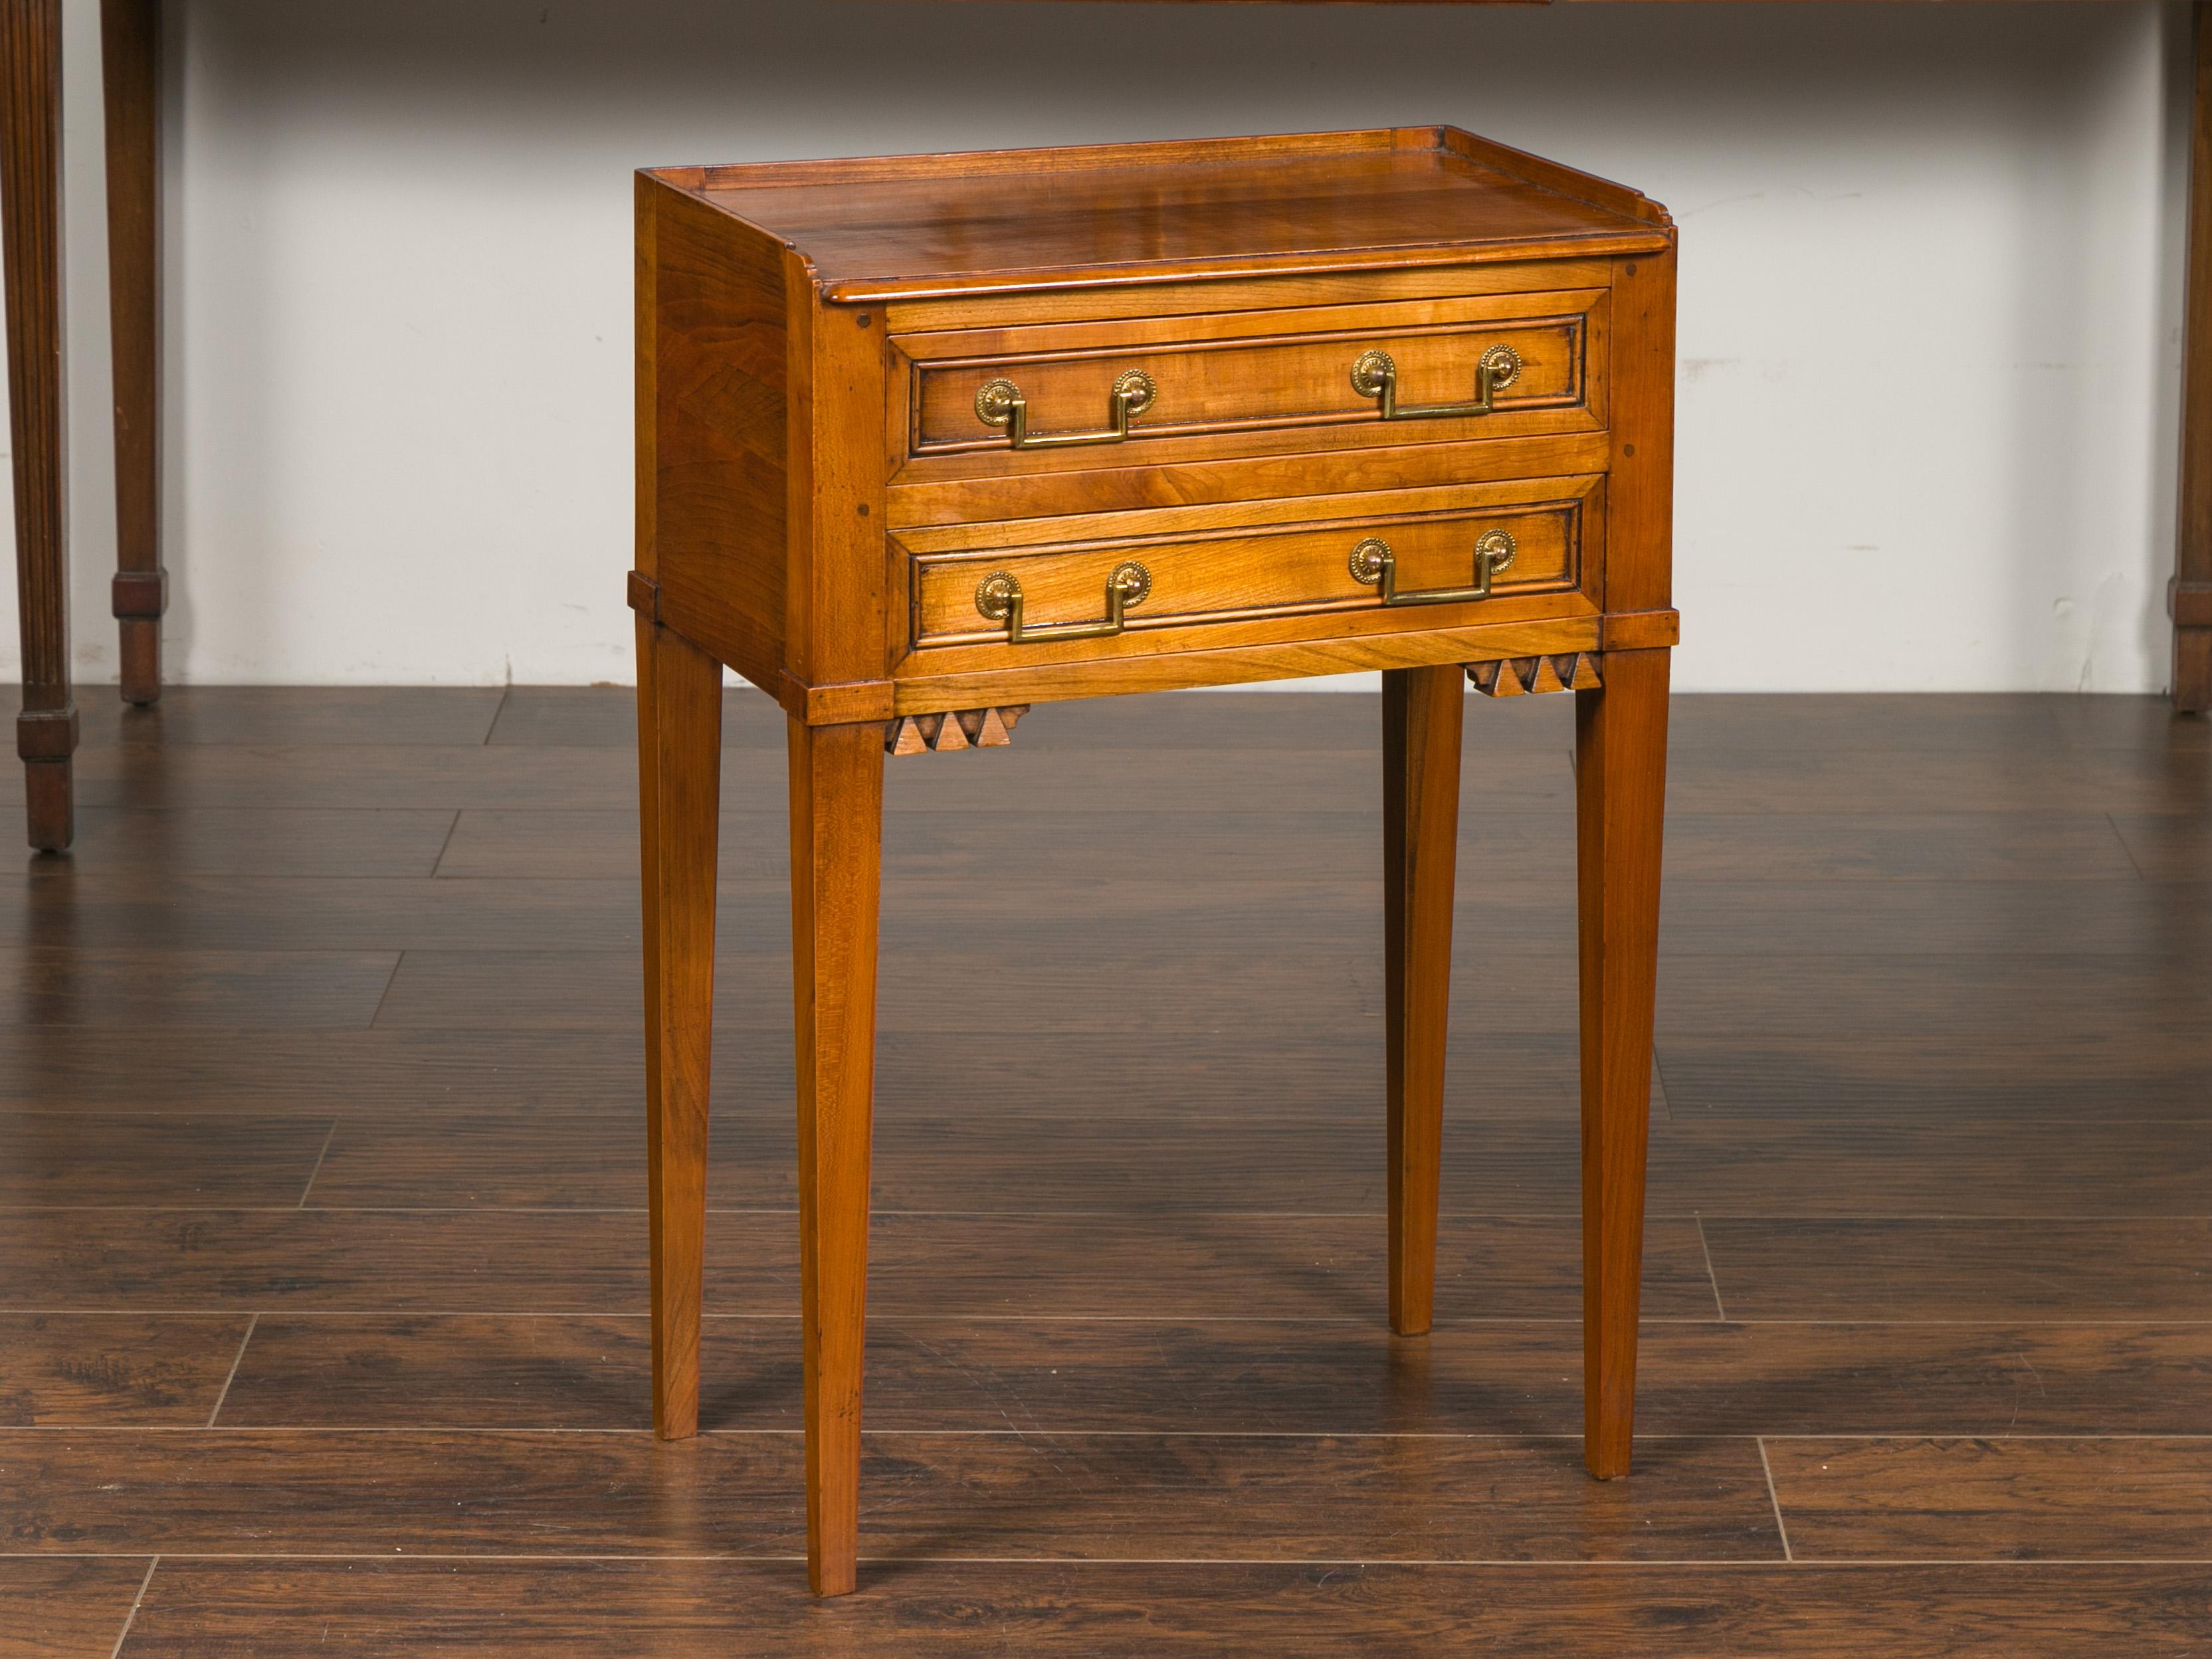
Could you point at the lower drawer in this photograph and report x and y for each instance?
(1412, 559)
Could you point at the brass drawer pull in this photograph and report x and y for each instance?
(1372, 561)
(1000, 598)
(1000, 403)
(1376, 375)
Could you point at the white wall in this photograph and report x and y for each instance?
(1929, 298)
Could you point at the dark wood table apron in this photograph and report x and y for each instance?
(30, 181)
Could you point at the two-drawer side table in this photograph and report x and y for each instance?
(926, 440)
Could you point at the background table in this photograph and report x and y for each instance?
(30, 204)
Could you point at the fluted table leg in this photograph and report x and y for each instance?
(30, 204)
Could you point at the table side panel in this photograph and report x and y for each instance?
(713, 444)
(836, 599)
(1639, 571)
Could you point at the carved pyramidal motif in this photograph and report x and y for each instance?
(1518, 677)
(968, 728)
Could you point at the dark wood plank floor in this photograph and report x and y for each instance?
(322, 1258)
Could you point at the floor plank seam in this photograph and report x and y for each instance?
(902, 1320)
(1061, 1563)
(236, 1360)
(506, 696)
(1812, 1218)
(1781, 1527)
(131, 1617)
(333, 1135)
(1562, 1436)
(398, 960)
(2120, 835)
(1476, 1321)
(453, 824)
(1647, 1564)
(1904, 1433)
(1705, 1248)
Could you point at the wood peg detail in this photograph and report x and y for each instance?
(1518, 677)
(967, 728)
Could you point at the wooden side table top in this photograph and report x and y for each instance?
(924, 440)
(1089, 216)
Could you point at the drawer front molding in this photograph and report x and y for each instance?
(1122, 393)
(1151, 573)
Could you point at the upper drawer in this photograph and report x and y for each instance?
(1157, 390)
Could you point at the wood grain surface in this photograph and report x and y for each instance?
(923, 225)
(686, 1610)
(1931, 1216)
(147, 1369)
(1251, 1376)
(1422, 714)
(68, 1609)
(1051, 1496)
(679, 745)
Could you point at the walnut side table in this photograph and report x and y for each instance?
(924, 441)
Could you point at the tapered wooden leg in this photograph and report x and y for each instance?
(131, 39)
(30, 205)
(1422, 714)
(837, 849)
(679, 758)
(1620, 777)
